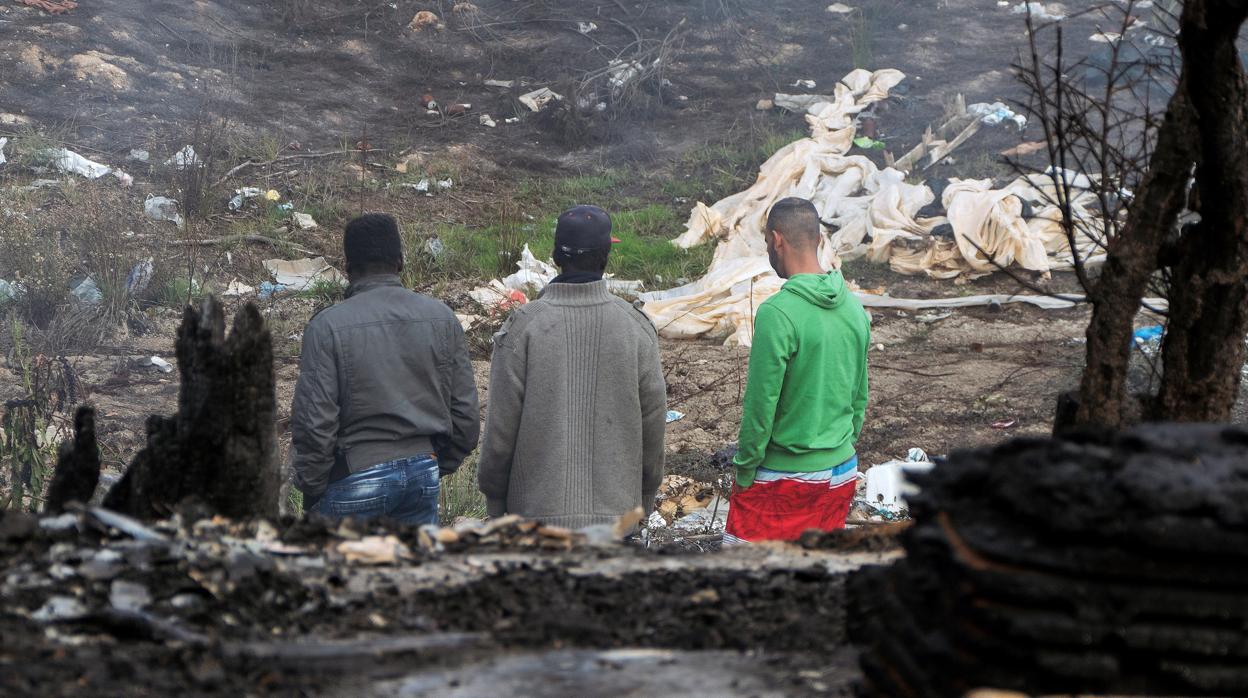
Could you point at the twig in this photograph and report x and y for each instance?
(171, 31)
(300, 156)
(910, 370)
(230, 239)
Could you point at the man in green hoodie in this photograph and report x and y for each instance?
(806, 395)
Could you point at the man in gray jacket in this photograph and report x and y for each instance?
(386, 400)
(577, 402)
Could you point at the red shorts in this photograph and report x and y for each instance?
(783, 505)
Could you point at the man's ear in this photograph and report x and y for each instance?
(777, 240)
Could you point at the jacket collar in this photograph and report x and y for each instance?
(372, 282)
(592, 293)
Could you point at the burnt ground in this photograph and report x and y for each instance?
(297, 77)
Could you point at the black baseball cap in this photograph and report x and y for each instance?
(583, 228)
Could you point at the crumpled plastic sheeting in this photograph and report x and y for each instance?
(873, 213)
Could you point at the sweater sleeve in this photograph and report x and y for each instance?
(860, 399)
(314, 413)
(502, 422)
(775, 343)
(653, 393)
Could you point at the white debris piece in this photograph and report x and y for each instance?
(304, 221)
(3, 142)
(127, 596)
(674, 416)
(68, 161)
(162, 365)
(996, 113)
(487, 121)
(237, 289)
(467, 322)
(162, 208)
(538, 99)
(60, 608)
(139, 155)
(446, 183)
(184, 158)
(301, 274)
(804, 84)
(840, 8)
(241, 196)
(533, 274)
(1038, 11)
(508, 84)
(1105, 37)
(886, 487)
(586, 27)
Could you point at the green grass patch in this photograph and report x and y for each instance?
(458, 495)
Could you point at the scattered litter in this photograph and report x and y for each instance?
(458, 109)
(1105, 37)
(680, 495)
(621, 73)
(428, 102)
(68, 161)
(488, 121)
(512, 120)
(586, 27)
(409, 160)
(932, 317)
(268, 289)
(301, 274)
(508, 84)
(7, 291)
(423, 19)
(59, 608)
(710, 518)
(674, 416)
(467, 322)
(162, 208)
(87, 291)
(130, 597)
(764, 105)
(140, 276)
(629, 287)
(1148, 339)
(3, 142)
(840, 8)
(184, 158)
(996, 113)
(804, 84)
(869, 143)
(236, 289)
(241, 196)
(304, 221)
(533, 274)
(374, 550)
(1038, 11)
(497, 297)
(139, 155)
(272, 195)
(1026, 148)
(885, 487)
(446, 183)
(421, 186)
(162, 365)
(1005, 424)
(538, 99)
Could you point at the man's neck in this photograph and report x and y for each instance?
(808, 265)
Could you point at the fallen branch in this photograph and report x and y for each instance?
(300, 156)
(910, 370)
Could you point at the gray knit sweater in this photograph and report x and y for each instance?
(577, 406)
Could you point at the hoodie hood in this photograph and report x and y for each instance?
(824, 290)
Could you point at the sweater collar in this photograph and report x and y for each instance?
(576, 277)
(372, 282)
(592, 293)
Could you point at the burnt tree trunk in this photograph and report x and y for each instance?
(77, 465)
(221, 447)
(1204, 345)
(1131, 260)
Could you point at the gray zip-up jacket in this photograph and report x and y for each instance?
(383, 375)
(577, 405)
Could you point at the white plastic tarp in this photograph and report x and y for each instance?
(868, 212)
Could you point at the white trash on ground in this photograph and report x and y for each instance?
(183, 159)
(304, 221)
(997, 113)
(533, 274)
(537, 100)
(87, 291)
(3, 142)
(242, 195)
(301, 274)
(885, 483)
(1038, 11)
(161, 365)
(7, 291)
(68, 161)
(162, 208)
(237, 289)
(140, 276)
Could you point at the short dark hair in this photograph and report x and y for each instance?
(372, 243)
(593, 261)
(797, 219)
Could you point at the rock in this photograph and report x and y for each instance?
(765, 105)
(423, 19)
(130, 597)
(60, 608)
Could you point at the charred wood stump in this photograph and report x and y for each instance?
(221, 446)
(1096, 563)
(77, 465)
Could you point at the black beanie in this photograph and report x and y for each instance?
(373, 239)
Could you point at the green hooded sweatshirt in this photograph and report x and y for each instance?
(807, 389)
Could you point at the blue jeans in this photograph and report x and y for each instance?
(405, 490)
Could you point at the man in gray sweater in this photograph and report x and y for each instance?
(577, 401)
(386, 401)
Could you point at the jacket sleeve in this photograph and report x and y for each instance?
(502, 421)
(314, 413)
(462, 404)
(775, 343)
(653, 392)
